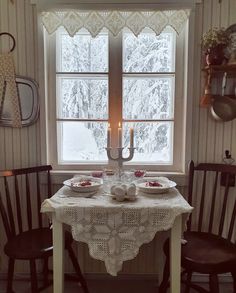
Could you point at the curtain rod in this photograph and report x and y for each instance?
(91, 4)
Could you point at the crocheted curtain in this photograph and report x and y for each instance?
(114, 20)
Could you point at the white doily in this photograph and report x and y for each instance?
(114, 231)
(114, 21)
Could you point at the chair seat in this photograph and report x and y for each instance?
(33, 244)
(206, 253)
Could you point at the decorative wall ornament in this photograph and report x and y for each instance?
(114, 21)
(7, 81)
(27, 90)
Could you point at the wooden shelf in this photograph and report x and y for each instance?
(213, 71)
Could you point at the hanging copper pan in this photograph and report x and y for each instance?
(223, 108)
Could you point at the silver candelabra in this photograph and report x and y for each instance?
(120, 159)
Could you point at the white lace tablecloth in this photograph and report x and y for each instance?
(114, 231)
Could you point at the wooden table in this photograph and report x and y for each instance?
(58, 256)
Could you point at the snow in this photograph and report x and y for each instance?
(145, 97)
(79, 142)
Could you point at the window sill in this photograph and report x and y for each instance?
(59, 176)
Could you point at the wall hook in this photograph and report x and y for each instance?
(228, 159)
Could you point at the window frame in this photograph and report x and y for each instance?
(51, 129)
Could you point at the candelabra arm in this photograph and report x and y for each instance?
(110, 156)
(131, 155)
(120, 159)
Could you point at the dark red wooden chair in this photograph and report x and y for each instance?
(210, 235)
(27, 236)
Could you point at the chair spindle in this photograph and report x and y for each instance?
(9, 208)
(38, 200)
(5, 219)
(49, 184)
(28, 202)
(213, 203)
(18, 208)
(222, 218)
(231, 225)
(202, 202)
(190, 191)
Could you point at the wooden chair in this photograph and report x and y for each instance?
(27, 238)
(210, 247)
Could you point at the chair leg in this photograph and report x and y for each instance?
(166, 275)
(45, 271)
(234, 279)
(77, 269)
(214, 284)
(188, 282)
(33, 276)
(10, 274)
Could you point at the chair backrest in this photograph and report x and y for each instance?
(216, 201)
(22, 191)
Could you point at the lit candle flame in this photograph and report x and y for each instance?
(119, 125)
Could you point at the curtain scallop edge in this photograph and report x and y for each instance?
(114, 21)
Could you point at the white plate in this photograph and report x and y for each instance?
(165, 182)
(74, 183)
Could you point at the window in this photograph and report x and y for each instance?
(148, 94)
(82, 97)
(137, 80)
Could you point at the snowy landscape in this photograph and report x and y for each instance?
(148, 94)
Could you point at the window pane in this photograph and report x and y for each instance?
(148, 52)
(148, 98)
(85, 98)
(83, 53)
(153, 141)
(82, 141)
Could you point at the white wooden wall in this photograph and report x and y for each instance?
(21, 147)
(210, 138)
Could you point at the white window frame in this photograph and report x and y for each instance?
(48, 83)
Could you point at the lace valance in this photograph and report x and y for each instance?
(114, 21)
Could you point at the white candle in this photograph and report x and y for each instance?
(119, 135)
(131, 137)
(109, 136)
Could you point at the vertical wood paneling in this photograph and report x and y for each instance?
(30, 69)
(21, 147)
(224, 22)
(233, 143)
(211, 127)
(196, 88)
(203, 114)
(212, 141)
(232, 12)
(15, 132)
(212, 138)
(18, 147)
(219, 134)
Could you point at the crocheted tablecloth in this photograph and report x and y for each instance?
(114, 231)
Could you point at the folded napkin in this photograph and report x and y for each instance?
(124, 191)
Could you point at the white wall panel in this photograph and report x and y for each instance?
(21, 147)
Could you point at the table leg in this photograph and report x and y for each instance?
(58, 256)
(175, 255)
